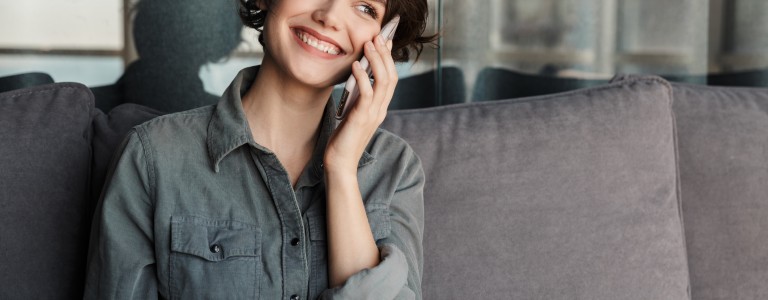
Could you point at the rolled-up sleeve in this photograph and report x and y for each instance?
(121, 262)
(398, 275)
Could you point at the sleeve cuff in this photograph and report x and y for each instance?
(388, 280)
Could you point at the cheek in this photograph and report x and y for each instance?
(360, 41)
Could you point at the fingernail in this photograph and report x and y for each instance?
(370, 46)
(389, 44)
(380, 40)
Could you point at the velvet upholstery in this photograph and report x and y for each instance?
(723, 145)
(567, 196)
(45, 158)
(564, 196)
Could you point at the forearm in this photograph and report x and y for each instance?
(351, 246)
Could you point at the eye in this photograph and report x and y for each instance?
(367, 9)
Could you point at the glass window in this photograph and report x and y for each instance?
(553, 44)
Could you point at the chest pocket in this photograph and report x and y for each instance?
(318, 281)
(214, 259)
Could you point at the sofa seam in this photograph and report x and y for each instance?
(678, 189)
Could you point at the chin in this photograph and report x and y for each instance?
(318, 82)
(321, 79)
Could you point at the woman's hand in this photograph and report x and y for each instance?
(348, 142)
(351, 246)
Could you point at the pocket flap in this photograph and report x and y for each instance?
(214, 240)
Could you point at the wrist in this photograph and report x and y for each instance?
(339, 167)
(340, 172)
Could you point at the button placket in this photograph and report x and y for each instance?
(294, 258)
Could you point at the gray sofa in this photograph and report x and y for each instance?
(638, 189)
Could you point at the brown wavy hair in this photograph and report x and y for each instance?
(409, 34)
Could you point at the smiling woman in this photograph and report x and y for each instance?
(271, 197)
(413, 15)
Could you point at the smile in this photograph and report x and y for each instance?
(316, 43)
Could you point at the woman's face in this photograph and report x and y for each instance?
(316, 41)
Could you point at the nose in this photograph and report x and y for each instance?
(328, 14)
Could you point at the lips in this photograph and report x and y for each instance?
(317, 41)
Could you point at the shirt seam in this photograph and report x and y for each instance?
(149, 163)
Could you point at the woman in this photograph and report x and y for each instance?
(263, 195)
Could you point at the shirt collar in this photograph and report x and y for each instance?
(228, 128)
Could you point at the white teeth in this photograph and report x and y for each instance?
(319, 45)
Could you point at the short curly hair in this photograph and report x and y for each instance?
(409, 34)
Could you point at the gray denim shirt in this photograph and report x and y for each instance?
(193, 208)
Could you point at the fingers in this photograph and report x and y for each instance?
(384, 51)
(389, 62)
(374, 100)
(363, 84)
(384, 73)
(375, 55)
(367, 92)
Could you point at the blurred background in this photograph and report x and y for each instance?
(490, 49)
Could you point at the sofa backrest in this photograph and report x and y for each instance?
(563, 196)
(55, 151)
(723, 145)
(567, 196)
(45, 155)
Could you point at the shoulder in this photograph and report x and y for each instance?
(389, 149)
(185, 118)
(386, 142)
(176, 126)
(177, 135)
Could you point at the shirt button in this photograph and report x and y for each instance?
(295, 242)
(215, 248)
(295, 297)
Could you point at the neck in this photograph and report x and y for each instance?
(284, 115)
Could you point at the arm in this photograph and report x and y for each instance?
(366, 271)
(399, 273)
(121, 257)
(351, 247)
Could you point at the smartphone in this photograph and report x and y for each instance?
(351, 91)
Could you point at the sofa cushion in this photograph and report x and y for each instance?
(108, 131)
(723, 149)
(44, 187)
(566, 196)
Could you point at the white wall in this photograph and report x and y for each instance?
(57, 24)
